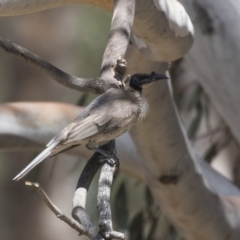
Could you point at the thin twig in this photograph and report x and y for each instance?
(70, 221)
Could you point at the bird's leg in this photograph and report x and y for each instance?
(104, 153)
(109, 156)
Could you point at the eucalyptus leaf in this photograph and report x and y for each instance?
(120, 207)
(136, 227)
(83, 99)
(148, 197)
(153, 227)
(195, 98)
(194, 126)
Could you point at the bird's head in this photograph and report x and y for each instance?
(139, 80)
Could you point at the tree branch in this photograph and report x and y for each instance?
(162, 30)
(94, 85)
(71, 222)
(108, 170)
(118, 37)
(80, 195)
(185, 187)
(85, 179)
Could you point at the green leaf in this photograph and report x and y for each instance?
(136, 227)
(148, 197)
(152, 229)
(120, 207)
(194, 126)
(195, 98)
(82, 101)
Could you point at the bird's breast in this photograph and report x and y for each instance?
(143, 108)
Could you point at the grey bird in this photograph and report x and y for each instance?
(107, 117)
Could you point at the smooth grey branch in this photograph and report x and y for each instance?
(94, 85)
(119, 35)
(162, 29)
(185, 187)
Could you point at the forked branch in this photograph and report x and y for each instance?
(71, 222)
(118, 39)
(109, 166)
(94, 85)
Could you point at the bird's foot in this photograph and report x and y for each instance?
(104, 153)
(109, 157)
(111, 234)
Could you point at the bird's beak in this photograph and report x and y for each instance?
(153, 77)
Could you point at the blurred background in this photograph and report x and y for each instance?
(73, 39)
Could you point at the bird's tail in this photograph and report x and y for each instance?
(42, 156)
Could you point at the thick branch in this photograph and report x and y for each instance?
(94, 85)
(106, 177)
(184, 187)
(162, 29)
(85, 179)
(214, 58)
(116, 47)
(118, 37)
(111, 165)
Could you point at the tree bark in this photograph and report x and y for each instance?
(172, 170)
(215, 55)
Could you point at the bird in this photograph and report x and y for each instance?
(105, 118)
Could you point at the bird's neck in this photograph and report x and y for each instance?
(142, 102)
(135, 89)
(143, 105)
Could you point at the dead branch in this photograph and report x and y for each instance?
(71, 222)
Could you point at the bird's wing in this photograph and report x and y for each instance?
(105, 113)
(120, 110)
